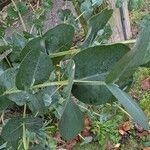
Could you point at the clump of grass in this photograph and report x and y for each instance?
(143, 96)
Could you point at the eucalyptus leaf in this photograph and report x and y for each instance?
(66, 16)
(43, 69)
(36, 105)
(95, 24)
(71, 122)
(26, 73)
(130, 105)
(17, 42)
(49, 95)
(12, 131)
(3, 66)
(5, 103)
(36, 68)
(7, 80)
(87, 9)
(59, 38)
(94, 64)
(33, 124)
(20, 98)
(33, 44)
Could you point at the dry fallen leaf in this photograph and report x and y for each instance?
(145, 84)
(146, 148)
(86, 122)
(127, 126)
(122, 132)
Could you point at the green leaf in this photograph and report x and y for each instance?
(36, 68)
(130, 105)
(22, 7)
(36, 105)
(94, 64)
(49, 95)
(95, 24)
(3, 66)
(36, 43)
(134, 4)
(2, 144)
(33, 124)
(5, 103)
(25, 76)
(59, 38)
(7, 80)
(87, 8)
(66, 16)
(139, 55)
(63, 14)
(47, 4)
(12, 12)
(12, 131)
(146, 65)
(119, 3)
(71, 123)
(19, 98)
(43, 69)
(17, 42)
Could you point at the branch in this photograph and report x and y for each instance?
(57, 83)
(21, 19)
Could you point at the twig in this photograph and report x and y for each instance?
(21, 19)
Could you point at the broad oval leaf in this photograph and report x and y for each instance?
(95, 24)
(49, 95)
(25, 76)
(19, 98)
(36, 105)
(59, 38)
(36, 68)
(5, 103)
(12, 131)
(71, 122)
(130, 105)
(7, 80)
(94, 64)
(36, 43)
(43, 69)
(33, 124)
